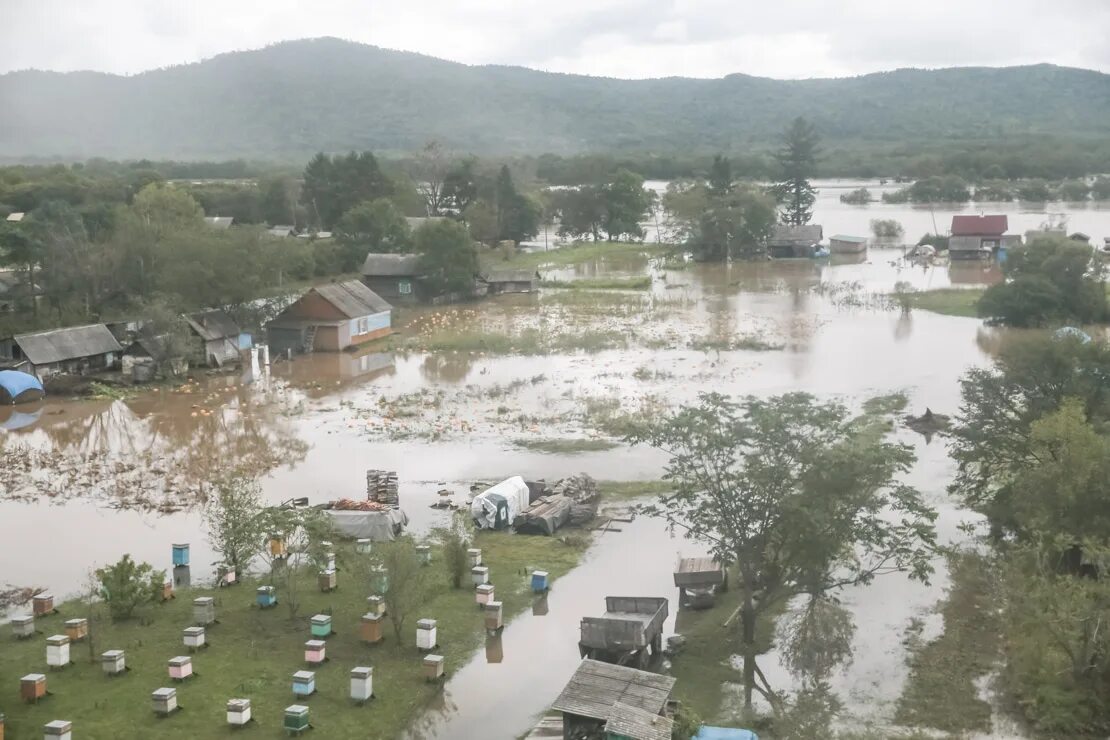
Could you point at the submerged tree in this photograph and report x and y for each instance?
(797, 161)
(801, 497)
(448, 259)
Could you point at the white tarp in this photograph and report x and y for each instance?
(497, 507)
(379, 526)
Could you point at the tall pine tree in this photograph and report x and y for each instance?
(797, 160)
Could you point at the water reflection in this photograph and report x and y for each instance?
(495, 648)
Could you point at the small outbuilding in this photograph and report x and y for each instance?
(331, 318)
(843, 244)
(591, 698)
(794, 241)
(280, 230)
(511, 281)
(19, 387)
(215, 337)
(219, 222)
(394, 277)
(980, 237)
(74, 350)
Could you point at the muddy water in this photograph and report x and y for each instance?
(312, 428)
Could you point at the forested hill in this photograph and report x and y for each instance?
(294, 98)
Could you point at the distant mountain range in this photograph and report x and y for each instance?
(291, 99)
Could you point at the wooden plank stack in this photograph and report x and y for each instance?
(381, 486)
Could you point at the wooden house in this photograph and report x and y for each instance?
(841, 244)
(215, 337)
(794, 241)
(74, 350)
(331, 318)
(394, 277)
(979, 237)
(511, 281)
(590, 701)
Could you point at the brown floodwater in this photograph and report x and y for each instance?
(115, 476)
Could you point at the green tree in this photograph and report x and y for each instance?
(799, 496)
(334, 185)
(448, 259)
(581, 211)
(1073, 190)
(236, 527)
(405, 591)
(302, 529)
(624, 203)
(480, 218)
(797, 161)
(127, 585)
(887, 228)
(857, 197)
(721, 180)
(278, 202)
(736, 226)
(455, 541)
(1100, 189)
(20, 249)
(518, 216)
(460, 185)
(376, 227)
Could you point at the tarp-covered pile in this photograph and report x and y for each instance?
(544, 516)
(379, 526)
(497, 507)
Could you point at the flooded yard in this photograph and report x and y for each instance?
(123, 475)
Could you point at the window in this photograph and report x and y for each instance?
(363, 325)
(404, 287)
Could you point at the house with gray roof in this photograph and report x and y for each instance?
(331, 318)
(794, 241)
(75, 350)
(394, 277)
(215, 337)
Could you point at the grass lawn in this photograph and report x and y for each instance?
(254, 653)
(557, 446)
(949, 301)
(571, 255)
(642, 282)
(632, 489)
(526, 342)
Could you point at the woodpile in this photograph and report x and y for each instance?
(381, 487)
(572, 500)
(582, 491)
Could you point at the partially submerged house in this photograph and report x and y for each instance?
(394, 277)
(74, 350)
(219, 222)
(843, 244)
(511, 281)
(979, 237)
(331, 318)
(150, 354)
(599, 692)
(215, 337)
(794, 241)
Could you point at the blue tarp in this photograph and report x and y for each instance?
(15, 384)
(724, 733)
(1071, 332)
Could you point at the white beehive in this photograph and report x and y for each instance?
(424, 554)
(483, 594)
(238, 712)
(363, 546)
(23, 626)
(113, 662)
(57, 651)
(193, 637)
(59, 729)
(164, 701)
(474, 556)
(362, 683)
(479, 574)
(204, 610)
(426, 634)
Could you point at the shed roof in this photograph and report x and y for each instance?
(849, 239)
(595, 687)
(638, 724)
(17, 216)
(213, 324)
(391, 265)
(219, 222)
(353, 298)
(156, 346)
(59, 345)
(510, 276)
(979, 225)
(280, 230)
(786, 234)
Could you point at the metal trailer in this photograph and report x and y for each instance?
(630, 627)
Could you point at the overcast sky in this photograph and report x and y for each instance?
(620, 38)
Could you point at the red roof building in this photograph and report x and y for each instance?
(979, 225)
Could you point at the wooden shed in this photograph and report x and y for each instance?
(215, 337)
(588, 700)
(794, 241)
(75, 350)
(627, 722)
(511, 281)
(331, 318)
(394, 277)
(842, 244)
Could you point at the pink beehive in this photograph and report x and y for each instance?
(181, 667)
(314, 652)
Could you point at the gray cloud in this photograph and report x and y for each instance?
(623, 38)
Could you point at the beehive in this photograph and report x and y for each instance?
(167, 590)
(474, 556)
(181, 667)
(182, 576)
(296, 718)
(42, 604)
(204, 610)
(277, 547)
(77, 629)
(315, 652)
(493, 613)
(113, 662)
(265, 597)
(329, 561)
(379, 580)
(370, 628)
(321, 626)
(426, 634)
(57, 651)
(433, 667)
(59, 729)
(193, 637)
(23, 627)
(362, 683)
(180, 554)
(376, 605)
(539, 581)
(424, 553)
(479, 574)
(32, 687)
(225, 575)
(483, 594)
(238, 712)
(304, 683)
(164, 701)
(327, 580)
(363, 546)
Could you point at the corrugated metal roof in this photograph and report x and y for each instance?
(212, 325)
(73, 343)
(353, 298)
(979, 225)
(638, 724)
(595, 687)
(787, 235)
(17, 216)
(219, 222)
(849, 239)
(391, 265)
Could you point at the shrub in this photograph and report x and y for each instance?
(857, 197)
(455, 540)
(887, 228)
(127, 585)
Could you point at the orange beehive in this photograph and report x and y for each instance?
(32, 687)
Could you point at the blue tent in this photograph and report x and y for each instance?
(724, 733)
(17, 387)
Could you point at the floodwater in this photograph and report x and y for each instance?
(122, 475)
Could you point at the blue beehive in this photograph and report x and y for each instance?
(539, 581)
(180, 555)
(304, 683)
(266, 597)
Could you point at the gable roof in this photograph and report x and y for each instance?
(73, 343)
(219, 222)
(785, 234)
(979, 225)
(352, 298)
(391, 265)
(849, 239)
(636, 723)
(212, 325)
(280, 230)
(596, 687)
